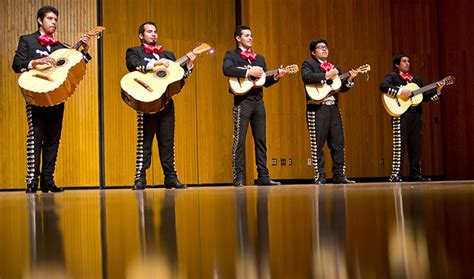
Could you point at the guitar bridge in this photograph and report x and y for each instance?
(43, 77)
(142, 83)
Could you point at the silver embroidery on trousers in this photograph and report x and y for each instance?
(30, 147)
(311, 118)
(236, 114)
(140, 136)
(397, 147)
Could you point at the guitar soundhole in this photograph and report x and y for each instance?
(161, 74)
(60, 62)
(329, 82)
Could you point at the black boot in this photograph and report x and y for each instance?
(32, 187)
(174, 183)
(266, 181)
(50, 187)
(140, 181)
(342, 179)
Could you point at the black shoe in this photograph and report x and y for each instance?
(321, 180)
(31, 188)
(267, 182)
(239, 183)
(419, 178)
(50, 187)
(139, 184)
(395, 179)
(342, 180)
(175, 184)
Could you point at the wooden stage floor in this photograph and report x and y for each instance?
(371, 230)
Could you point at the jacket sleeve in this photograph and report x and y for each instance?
(310, 77)
(387, 86)
(229, 68)
(21, 61)
(133, 61)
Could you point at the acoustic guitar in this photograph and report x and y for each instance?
(240, 86)
(150, 92)
(49, 85)
(396, 106)
(320, 91)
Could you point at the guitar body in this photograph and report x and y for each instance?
(150, 92)
(240, 86)
(320, 91)
(397, 106)
(53, 85)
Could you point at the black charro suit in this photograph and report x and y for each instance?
(407, 128)
(161, 124)
(324, 123)
(44, 123)
(248, 108)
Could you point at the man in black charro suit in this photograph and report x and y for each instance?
(162, 124)
(44, 123)
(324, 118)
(407, 128)
(242, 62)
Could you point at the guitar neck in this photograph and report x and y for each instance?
(344, 76)
(271, 72)
(182, 60)
(426, 88)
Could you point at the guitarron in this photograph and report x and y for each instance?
(150, 92)
(51, 85)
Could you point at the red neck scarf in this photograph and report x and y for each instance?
(152, 49)
(247, 54)
(406, 76)
(47, 39)
(326, 66)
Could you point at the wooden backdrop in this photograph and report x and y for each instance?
(78, 163)
(358, 32)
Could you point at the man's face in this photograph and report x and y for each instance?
(150, 35)
(321, 52)
(404, 65)
(48, 23)
(245, 39)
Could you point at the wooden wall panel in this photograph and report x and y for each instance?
(203, 133)
(457, 55)
(77, 163)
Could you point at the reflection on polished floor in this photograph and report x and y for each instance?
(377, 230)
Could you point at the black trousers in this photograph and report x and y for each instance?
(250, 109)
(407, 131)
(325, 123)
(44, 133)
(162, 125)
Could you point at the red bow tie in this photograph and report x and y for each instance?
(47, 39)
(152, 49)
(247, 54)
(406, 76)
(326, 66)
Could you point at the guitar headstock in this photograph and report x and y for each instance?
(291, 69)
(363, 69)
(448, 80)
(203, 48)
(96, 31)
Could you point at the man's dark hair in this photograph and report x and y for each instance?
(141, 29)
(239, 29)
(315, 42)
(43, 11)
(397, 58)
